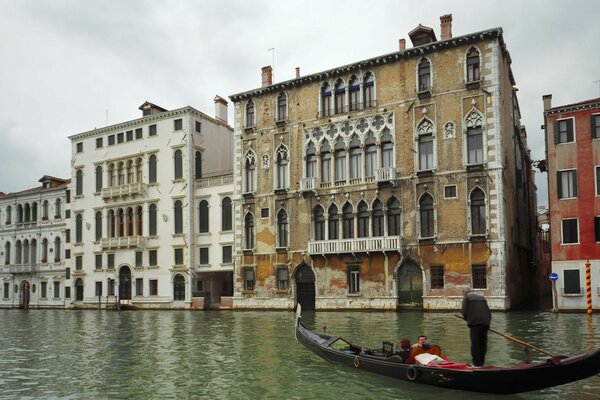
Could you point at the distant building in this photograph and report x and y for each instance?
(34, 254)
(152, 211)
(393, 182)
(573, 154)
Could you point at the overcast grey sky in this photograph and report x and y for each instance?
(70, 66)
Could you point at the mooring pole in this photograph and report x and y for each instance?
(588, 286)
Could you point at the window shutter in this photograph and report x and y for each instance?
(570, 130)
(556, 133)
(558, 185)
(595, 131)
(575, 183)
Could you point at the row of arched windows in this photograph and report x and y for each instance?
(26, 251)
(356, 93)
(281, 110)
(282, 230)
(472, 70)
(28, 212)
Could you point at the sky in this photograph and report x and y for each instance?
(67, 67)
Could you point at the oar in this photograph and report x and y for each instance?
(516, 340)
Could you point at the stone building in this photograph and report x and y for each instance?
(573, 154)
(389, 183)
(34, 246)
(152, 216)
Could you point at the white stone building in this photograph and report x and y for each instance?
(34, 254)
(147, 196)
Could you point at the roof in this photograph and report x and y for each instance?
(57, 183)
(418, 51)
(582, 105)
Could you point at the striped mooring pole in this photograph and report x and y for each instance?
(588, 286)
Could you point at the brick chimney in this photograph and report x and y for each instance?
(547, 98)
(297, 72)
(221, 108)
(402, 44)
(267, 76)
(446, 27)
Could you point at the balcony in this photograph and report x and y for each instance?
(361, 245)
(213, 181)
(309, 184)
(128, 189)
(122, 242)
(23, 269)
(386, 174)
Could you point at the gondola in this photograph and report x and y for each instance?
(523, 377)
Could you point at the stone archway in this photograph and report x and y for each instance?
(25, 295)
(305, 287)
(125, 283)
(409, 278)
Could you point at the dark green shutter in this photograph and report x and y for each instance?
(575, 183)
(570, 130)
(556, 134)
(558, 185)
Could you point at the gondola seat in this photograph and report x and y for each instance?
(435, 350)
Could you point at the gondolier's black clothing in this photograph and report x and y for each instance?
(476, 312)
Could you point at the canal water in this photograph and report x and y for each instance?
(57, 354)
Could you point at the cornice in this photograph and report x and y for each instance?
(573, 108)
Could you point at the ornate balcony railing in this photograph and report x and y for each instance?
(122, 242)
(123, 190)
(23, 269)
(308, 184)
(213, 181)
(361, 245)
(385, 174)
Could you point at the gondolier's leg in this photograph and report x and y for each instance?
(478, 344)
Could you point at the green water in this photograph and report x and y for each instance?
(57, 354)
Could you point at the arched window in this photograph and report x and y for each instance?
(111, 175)
(130, 171)
(425, 136)
(79, 289)
(426, 216)
(79, 228)
(333, 222)
(478, 219)
(129, 221)
(7, 253)
(121, 222)
(138, 170)
(44, 250)
(99, 173)
(98, 223)
(368, 90)
(8, 215)
(354, 93)
(363, 219)
(79, 182)
(227, 215)
(473, 65)
(282, 168)
(178, 212)
(325, 100)
(424, 75)
(26, 252)
(250, 172)
(347, 221)
(152, 169)
(378, 218)
(112, 223)
(27, 212)
(57, 249)
(281, 107)
(394, 217)
(340, 160)
(18, 252)
(325, 162)
(249, 231)
(45, 210)
(311, 161)
(120, 173)
(355, 158)
(19, 214)
(370, 155)
(340, 96)
(250, 114)
(203, 216)
(34, 212)
(179, 287)
(387, 149)
(58, 208)
(319, 222)
(178, 164)
(282, 228)
(33, 251)
(152, 219)
(198, 165)
(139, 221)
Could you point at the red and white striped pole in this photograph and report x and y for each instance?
(588, 286)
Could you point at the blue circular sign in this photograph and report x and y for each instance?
(553, 276)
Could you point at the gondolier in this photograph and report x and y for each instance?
(476, 312)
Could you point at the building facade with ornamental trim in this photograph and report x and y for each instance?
(393, 182)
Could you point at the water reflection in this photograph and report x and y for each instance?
(250, 355)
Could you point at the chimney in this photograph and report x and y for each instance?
(297, 72)
(446, 27)
(547, 98)
(221, 108)
(267, 76)
(402, 44)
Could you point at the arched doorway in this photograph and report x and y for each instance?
(25, 294)
(179, 287)
(125, 283)
(410, 285)
(79, 289)
(305, 287)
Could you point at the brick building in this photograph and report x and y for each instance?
(393, 182)
(573, 154)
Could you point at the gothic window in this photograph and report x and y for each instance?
(473, 65)
(99, 173)
(282, 168)
(7, 253)
(152, 169)
(78, 228)
(425, 138)
(340, 96)
(478, 219)
(311, 161)
(426, 216)
(282, 228)
(249, 231)
(203, 216)
(178, 220)
(120, 174)
(139, 221)
(111, 175)
(138, 170)
(474, 146)
(250, 172)
(394, 217)
(368, 90)
(319, 223)
(387, 149)
(281, 107)
(424, 75)
(78, 182)
(340, 160)
(370, 155)
(130, 171)
(325, 162)
(112, 223)
(121, 222)
(378, 218)
(250, 114)
(347, 221)
(325, 100)
(355, 158)
(333, 222)
(129, 221)
(178, 164)
(18, 252)
(227, 215)
(353, 93)
(363, 219)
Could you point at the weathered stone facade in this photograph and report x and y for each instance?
(374, 176)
